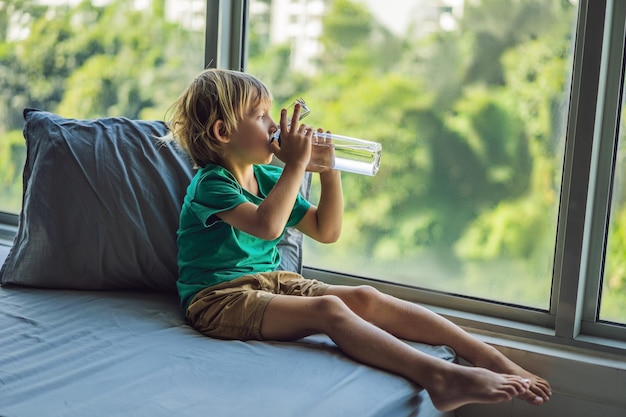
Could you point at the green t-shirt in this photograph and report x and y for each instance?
(211, 251)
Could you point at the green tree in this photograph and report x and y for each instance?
(614, 283)
(353, 40)
(471, 126)
(534, 77)
(90, 61)
(87, 61)
(12, 157)
(494, 26)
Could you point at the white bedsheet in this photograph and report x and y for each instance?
(91, 354)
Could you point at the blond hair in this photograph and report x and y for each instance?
(215, 94)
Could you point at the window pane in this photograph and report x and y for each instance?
(90, 59)
(613, 300)
(469, 102)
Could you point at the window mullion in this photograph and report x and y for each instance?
(568, 283)
(611, 90)
(225, 34)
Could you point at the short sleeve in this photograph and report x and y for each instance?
(299, 210)
(224, 193)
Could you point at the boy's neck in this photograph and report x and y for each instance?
(244, 176)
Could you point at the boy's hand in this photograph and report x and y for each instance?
(322, 153)
(295, 140)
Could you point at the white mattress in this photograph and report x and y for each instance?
(90, 354)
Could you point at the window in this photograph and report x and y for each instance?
(91, 59)
(501, 190)
(495, 185)
(470, 104)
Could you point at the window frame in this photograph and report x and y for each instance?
(596, 93)
(591, 138)
(226, 34)
(606, 142)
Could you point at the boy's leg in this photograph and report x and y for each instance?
(449, 385)
(413, 322)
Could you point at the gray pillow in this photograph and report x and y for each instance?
(101, 204)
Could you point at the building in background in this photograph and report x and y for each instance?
(298, 23)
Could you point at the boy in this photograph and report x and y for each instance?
(236, 210)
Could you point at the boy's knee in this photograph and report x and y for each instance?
(366, 292)
(366, 297)
(330, 306)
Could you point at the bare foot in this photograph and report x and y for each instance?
(539, 390)
(460, 385)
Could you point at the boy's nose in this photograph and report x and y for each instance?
(274, 133)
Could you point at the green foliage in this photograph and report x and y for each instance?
(478, 153)
(614, 285)
(273, 68)
(496, 155)
(12, 157)
(90, 61)
(494, 26)
(536, 87)
(473, 130)
(504, 231)
(354, 41)
(347, 24)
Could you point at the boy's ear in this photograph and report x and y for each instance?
(219, 131)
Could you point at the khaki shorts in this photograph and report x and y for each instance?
(234, 309)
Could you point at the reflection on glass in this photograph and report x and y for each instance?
(91, 59)
(468, 100)
(613, 300)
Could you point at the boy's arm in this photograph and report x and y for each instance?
(323, 223)
(268, 219)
